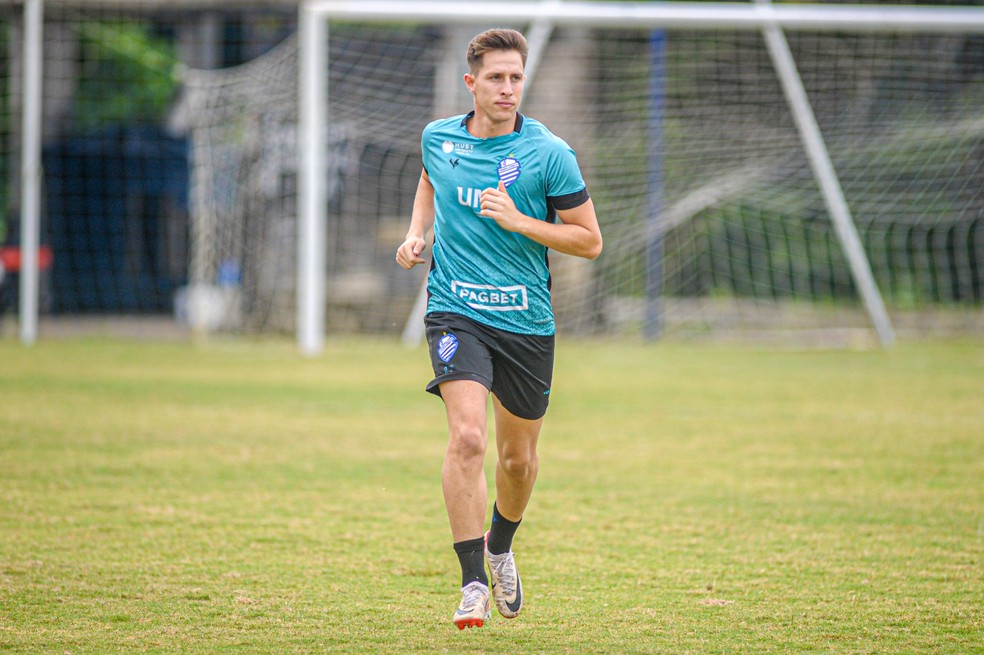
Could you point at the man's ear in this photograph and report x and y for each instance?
(470, 82)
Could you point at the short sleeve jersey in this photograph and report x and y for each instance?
(498, 278)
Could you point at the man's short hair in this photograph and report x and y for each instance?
(491, 40)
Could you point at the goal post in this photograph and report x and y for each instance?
(311, 197)
(771, 21)
(31, 171)
(826, 176)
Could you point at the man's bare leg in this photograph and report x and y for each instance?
(518, 463)
(465, 495)
(515, 473)
(463, 474)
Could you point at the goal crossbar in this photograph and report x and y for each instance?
(724, 15)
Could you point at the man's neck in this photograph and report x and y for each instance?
(483, 128)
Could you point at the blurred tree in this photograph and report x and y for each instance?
(127, 75)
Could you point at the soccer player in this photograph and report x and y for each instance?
(499, 190)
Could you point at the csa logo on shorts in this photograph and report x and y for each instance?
(509, 170)
(447, 346)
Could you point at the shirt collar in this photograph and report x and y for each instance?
(516, 128)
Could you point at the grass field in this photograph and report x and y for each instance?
(232, 497)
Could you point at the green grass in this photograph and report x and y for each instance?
(233, 497)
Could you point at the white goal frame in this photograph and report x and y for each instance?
(761, 15)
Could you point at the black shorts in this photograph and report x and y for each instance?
(517, 368)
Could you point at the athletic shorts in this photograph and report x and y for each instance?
(517, 368)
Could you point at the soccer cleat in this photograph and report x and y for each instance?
(475, 608)
(507, 590)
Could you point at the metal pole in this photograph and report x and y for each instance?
(312, 218)
(826, 176)
(30, 229)
(653, 325)
(538, 37)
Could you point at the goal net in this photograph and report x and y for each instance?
(242, 127)
(713, 218)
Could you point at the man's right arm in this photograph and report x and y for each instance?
(421, 222)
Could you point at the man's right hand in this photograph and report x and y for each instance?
(408, 254)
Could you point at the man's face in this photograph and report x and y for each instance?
(498, 86)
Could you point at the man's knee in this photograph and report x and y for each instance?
(519, 463)
(468, 442)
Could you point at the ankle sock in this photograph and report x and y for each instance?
(471, 556)
(502, 532)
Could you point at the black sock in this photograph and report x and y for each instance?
(471, 556)
(502, 532)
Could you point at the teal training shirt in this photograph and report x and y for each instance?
(479, 270)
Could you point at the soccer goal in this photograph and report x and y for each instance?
(801, 170)
(755, 167)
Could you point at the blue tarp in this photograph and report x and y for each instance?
(116, 218)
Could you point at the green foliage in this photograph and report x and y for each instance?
(232, 497)
(128, 75)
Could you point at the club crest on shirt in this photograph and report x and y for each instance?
(508, 170)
